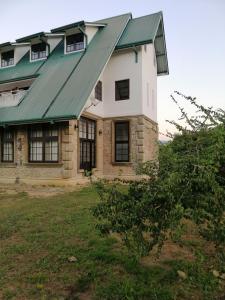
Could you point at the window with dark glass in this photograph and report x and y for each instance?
(7, 58)
(87, 134)
(122, 89)
(98, 91)
(7, 146)
(74, 42)
(122, 141)
(38, 51)
(43, 144)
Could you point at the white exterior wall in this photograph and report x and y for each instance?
(149, 82)
(90, 32)
(19, 52)
(122, 65)
(54, 41)
(143, 85)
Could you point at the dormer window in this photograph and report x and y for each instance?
(38, 51)
(74, 42)
(7, 58)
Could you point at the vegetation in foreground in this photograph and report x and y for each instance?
(50, 249)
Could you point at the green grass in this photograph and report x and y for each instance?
(37, 235)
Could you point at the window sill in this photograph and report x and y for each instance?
(8, 165)
(47, 165)
(122, 163)
(83, 171)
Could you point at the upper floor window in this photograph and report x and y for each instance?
(74, 42)
(38, 51)
(122, 89)
(43, 144)
(98, 91)
(7, 58)
(7, 146)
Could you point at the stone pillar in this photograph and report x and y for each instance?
(69, 149)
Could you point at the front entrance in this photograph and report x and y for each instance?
(87, 134)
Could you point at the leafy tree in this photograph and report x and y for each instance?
(187, 181)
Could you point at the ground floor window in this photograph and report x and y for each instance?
(122, 141)
(44, 144)
(7, 145)
(87, 134)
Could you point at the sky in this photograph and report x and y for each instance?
(195, 39)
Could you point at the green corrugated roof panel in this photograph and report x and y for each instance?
(30, 37)
(66, 81)
(76, 91)
(53, 75)
(140, 30)
(23, 69)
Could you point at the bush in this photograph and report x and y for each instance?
(187, 180)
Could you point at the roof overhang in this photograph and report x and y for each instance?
(77, 25)
(160, 50)
(148, 35)
(10, 46)
(66, 27)
(38, 35)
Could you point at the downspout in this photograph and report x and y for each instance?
(85, 35)
(136, 53)
(48, 45)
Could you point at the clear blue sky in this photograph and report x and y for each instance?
(195, 36)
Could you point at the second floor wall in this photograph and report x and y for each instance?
(140, 69)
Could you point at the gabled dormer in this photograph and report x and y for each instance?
(11, 53)
(41, 44)
(77, 35)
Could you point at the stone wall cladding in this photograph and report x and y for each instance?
(21, 170)
(143, 145)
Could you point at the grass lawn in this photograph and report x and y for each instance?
(39, 234)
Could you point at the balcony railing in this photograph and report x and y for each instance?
(11, 98)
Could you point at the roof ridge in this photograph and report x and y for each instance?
(157, 13)
(125, 14)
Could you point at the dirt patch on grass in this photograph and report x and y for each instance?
(170, 251)
(37, 190)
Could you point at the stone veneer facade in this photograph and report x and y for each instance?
(143, 147)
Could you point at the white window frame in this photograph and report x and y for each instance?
(43, 58)
(1, 60)
(75, 51)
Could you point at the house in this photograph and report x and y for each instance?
(82, 96)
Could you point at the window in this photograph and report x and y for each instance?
(98, 91)
(122, 89)
(87, 134)
(122, 141)
(43, 144)
(7, 145)
(38, 51)
(74, 42)
(7, 58)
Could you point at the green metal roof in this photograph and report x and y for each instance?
(65, 81)
(140, 31)
(30, 37)
(145, 30)
(63, 28)
(5, 44)
(24, 69)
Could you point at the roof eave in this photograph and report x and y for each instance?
(19, 78)
(38, 121)
(131, 45)
(66, 27)
(31, 37)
